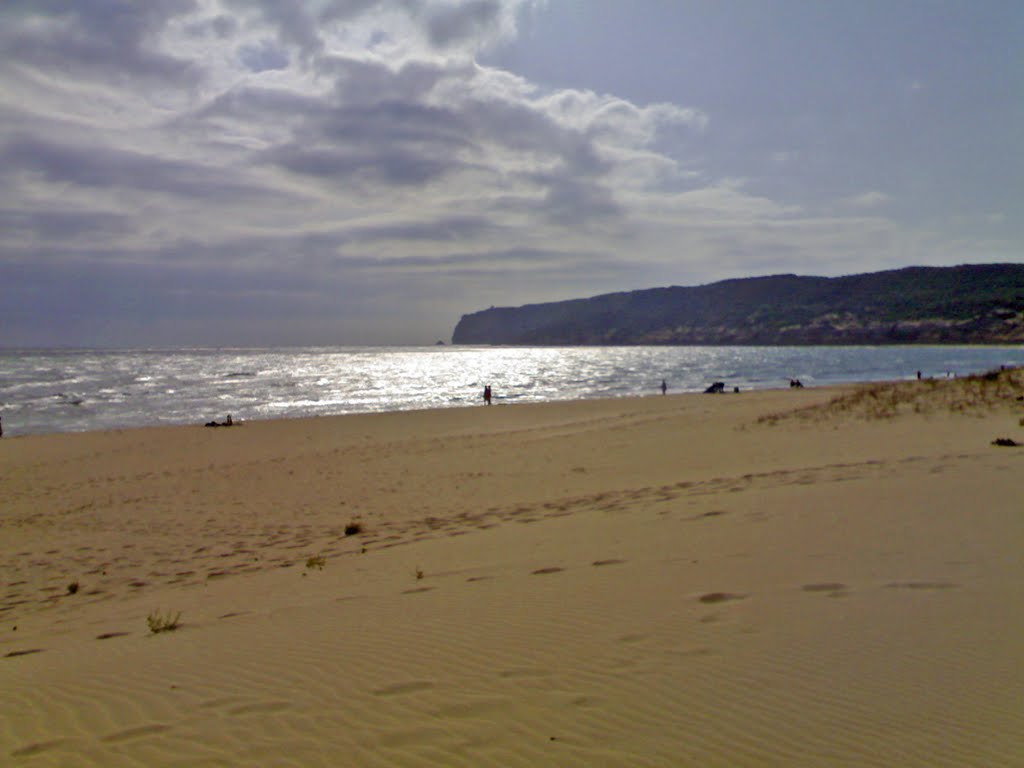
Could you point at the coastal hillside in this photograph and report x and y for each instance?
(968, 304)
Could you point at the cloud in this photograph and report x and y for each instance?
(276, 159)
(870, 199)
(41, 225)
(263, 56)
(457, 22)
(107, 39)
(102, 167)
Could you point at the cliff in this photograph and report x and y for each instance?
(968, 304)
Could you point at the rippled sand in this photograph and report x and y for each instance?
(681, 580)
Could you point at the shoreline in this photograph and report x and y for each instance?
(623, 581)
(498, 401)
(51, 394)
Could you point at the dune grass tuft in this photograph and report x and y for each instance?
(160, 623)
(316, 561)
(976, 394)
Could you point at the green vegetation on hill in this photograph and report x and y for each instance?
(969, 304)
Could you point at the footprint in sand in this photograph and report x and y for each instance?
(399, 689)
(135, 733)
(632, 638)
(711, 598)
(26, 652)
(830, 588)
(221, 703)
(921, 585)
(38, 748)
(515, 674)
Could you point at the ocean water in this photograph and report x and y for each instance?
(46, 390)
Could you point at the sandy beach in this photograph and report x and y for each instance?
(816, 577)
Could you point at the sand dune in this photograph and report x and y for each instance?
(688, 580)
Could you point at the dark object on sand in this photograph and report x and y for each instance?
(353, 528)
(1006, 442)
(796, 384)
(714, 389)
(226, 423)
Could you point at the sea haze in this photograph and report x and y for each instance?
(79, 390)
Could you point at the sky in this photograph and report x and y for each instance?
(320, 172)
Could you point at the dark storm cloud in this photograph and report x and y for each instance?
(397, 143)
(359, 81)
(298, 22)
(265, 160)
(253, 103)
(41, 225)
(394, 165)
(104, 167)
(570, 202)
(396, 122)
(98, 38)
(378, 126)
(295, 23)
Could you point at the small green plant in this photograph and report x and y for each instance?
(73, 587)
(316, 561)
(159, 623)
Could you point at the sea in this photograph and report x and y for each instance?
(76, 390)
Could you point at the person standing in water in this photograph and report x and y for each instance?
(664, 387)
(487, 394)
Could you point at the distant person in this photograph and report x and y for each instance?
(1, 427)
(918, 375)
(487, 394)
(664, 387)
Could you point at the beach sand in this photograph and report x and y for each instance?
(691, 580)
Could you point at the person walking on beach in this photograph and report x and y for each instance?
(1, 427)
(664, 387)
(487, 394)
